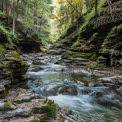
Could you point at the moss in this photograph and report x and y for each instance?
(36, 120)
(6, 106)
(93, 57)
(111, 38)
(13, 56)
(117, 29)
(101, 59)
(5, 35)
(75, 44)
(8, 46)
(105, 51)
(43, 49)
(93, 66)
(49, 109)
(51, 106)
(4, 94)
(23, 100)
(2, 48)
(1, 57)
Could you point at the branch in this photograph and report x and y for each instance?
(73, 7)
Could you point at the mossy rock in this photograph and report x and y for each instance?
(101, 59)
(36, 120)
(4, 35)
(105, 51)
(8, 46)
(7, 106)
(4, 94)
(93, 57)
(43, 49)
(2, 48)
(49, 109)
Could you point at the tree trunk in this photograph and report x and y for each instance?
(7, 11)
(35, 12)
(96, 9)
(14, 18)
(2, 5)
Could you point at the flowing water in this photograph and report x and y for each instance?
(72, 89)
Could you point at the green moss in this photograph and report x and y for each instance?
(36, 120)
(118, 29)
(105, 51)
(8, 46)
(75, 44)
(5, 35)
(101, 59)
(49, 109)
(6, 107)
(43, 49)
(1, 57)
(22, 101)
(2, 48)
(4, 94)
(93, 57)
(13, 56)
(111, 38)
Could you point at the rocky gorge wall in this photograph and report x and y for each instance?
(12, 67)
(98, 38)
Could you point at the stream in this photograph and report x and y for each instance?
(73, 88)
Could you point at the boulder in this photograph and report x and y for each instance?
(2, 88)
(68, 90)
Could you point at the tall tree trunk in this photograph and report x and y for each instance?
(96, 9)
(7, 11)
(35, 12)
(17, 8)
(2, 5)
(14, 17)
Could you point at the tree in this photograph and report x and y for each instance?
(14, 16)
(96, 5)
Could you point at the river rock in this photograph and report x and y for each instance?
(109, 102)
(2, 88)
(119, 90)
(5, 82)
(113, 79)
(68, 90)
(19, 106)
(8, 105)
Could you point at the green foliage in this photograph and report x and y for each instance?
(5, 35)
(88, 16)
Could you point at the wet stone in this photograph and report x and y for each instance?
(2, 88)
(68, 90)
